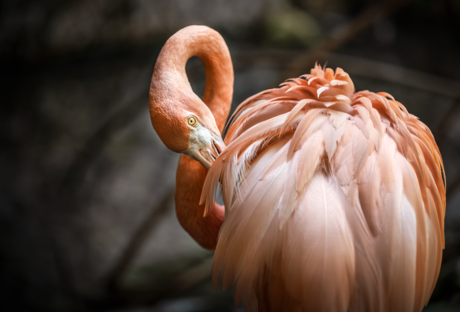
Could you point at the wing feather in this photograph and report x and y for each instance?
(334, 201)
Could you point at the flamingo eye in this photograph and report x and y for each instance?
(191, 121)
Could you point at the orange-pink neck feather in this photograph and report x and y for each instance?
(170, 91)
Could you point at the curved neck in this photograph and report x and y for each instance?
(168, 89)
(170, 76)
(190, 178)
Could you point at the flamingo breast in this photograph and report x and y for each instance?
(334, 200)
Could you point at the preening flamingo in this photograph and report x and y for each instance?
(334, 200)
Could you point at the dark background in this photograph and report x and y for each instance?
(86, 186)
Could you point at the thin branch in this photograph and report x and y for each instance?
(137, 241)
(360, 66)
(186, 279)
(373, 14)
(91, 149)
(399, 75)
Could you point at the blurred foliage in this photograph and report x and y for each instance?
(290, 27)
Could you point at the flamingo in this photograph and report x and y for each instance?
(333, 200)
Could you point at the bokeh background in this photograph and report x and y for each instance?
(86, 186)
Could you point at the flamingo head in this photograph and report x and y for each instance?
(188, 127)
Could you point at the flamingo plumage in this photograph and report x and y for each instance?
(334, 200)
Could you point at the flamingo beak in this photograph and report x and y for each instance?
(206, 155)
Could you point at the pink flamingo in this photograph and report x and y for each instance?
(334, 200)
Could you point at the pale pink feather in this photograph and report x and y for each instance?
(335, 200)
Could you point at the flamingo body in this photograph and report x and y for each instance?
(334, 200)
